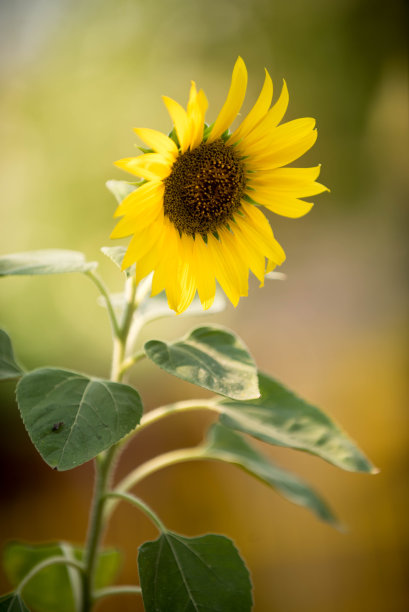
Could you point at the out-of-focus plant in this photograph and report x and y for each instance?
(195, 219)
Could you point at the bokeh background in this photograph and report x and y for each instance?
(75, 77)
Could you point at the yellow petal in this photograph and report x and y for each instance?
(285, 179)
(139, 218)
(136, 166)
(234, 100)
(258, 232)
(196, 110)
(252, 254)
(283, 204)
(140, 197)
(264, 129)
(290, 142)
(205, 277)
(257, 113)
(158, 142)
(142, 243)
(180, 121)
(226, 269)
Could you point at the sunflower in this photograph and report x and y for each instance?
(195, 217)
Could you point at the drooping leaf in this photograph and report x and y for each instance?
(9, 369)
(116, 254)
(12, 602)
(50, 261)
(120, 189)
(226, 445)
(71, 417)
(211, 357)
(56, 587)
(279, 417)
(180, 574)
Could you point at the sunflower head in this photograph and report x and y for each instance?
(195, 217)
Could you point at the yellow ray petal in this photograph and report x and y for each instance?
(264, 129)
(285, 179)
(234, 100)
(283, 205)
(205, 277)
(142, 243)
(258, 232)
(180, 121)
(283, 152)
(147, 169)
(150, 260)
(186, 276)
(257, 113)
(168, 263)
(140, 197)
(158, 142)
(138, 219)
(253, 256)
(196, 110)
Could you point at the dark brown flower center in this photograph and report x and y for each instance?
(204, 188)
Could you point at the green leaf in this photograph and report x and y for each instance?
(226, 445)
(8, 366)
(50, 261)
(279, 417)
(12, 602)
(116, 254)
(203, 574)
(120, 189)
(56, 587)
(211, 357)
(71, 418)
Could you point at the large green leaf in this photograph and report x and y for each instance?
(56, 587)
(203, 574)
(279, 417)
(211, 357)
(50, 261)
(226, 445)
(12, 602)
(9, 369)
(71, 418)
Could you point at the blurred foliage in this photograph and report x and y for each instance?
(75, 77)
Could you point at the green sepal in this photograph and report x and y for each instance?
(48, 261)
(9, 369)
(120, 189)
(224, 444)
(173, 136)
(71, 417)
(12, 602)
(180, 574)
(281, 418)
(56, 587)
(211, 357)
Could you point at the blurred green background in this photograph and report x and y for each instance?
(75, 77)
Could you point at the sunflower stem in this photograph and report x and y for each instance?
(105, 461)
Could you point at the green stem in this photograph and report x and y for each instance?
(103, 291)
(153, 465)
(43, 564)
(118, 590)
(135, 501)
(105, 461)
(163, 411)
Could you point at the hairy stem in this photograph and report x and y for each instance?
(105, 462)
